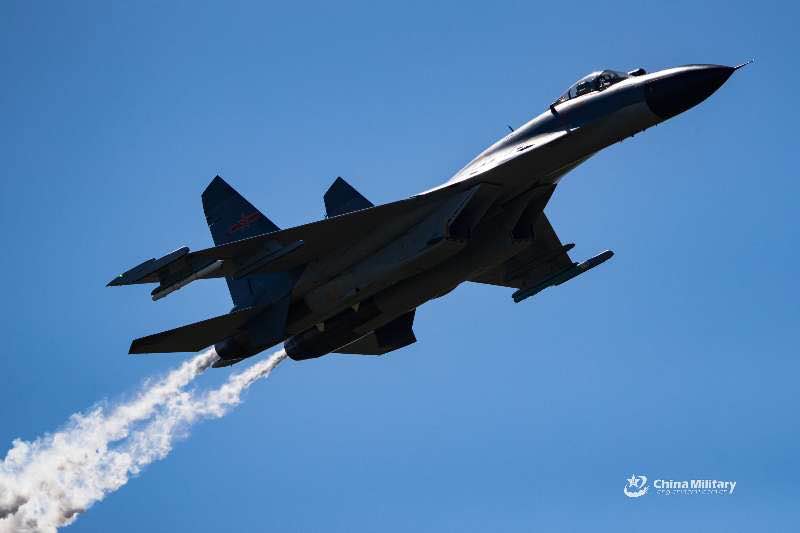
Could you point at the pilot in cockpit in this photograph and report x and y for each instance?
(594, 82)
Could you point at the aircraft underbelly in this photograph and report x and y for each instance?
(493, 244)
(402, 297)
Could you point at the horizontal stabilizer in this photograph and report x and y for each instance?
(392, 336)
(342, 198)
(194, 337)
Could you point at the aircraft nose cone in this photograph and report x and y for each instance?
(676, 92)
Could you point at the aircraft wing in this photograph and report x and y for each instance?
(544, 257)
(278, 250)
(321, 236)
(546, 262)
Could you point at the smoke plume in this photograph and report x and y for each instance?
(47, 483)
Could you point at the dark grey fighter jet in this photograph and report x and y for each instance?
(351, 283)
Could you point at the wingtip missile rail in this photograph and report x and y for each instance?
(172, 272)
(562, 277)
(146, 271)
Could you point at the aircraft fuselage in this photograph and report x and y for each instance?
(537, 154)
(351, 283)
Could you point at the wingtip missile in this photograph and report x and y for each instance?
(162, 291)
(143, 270)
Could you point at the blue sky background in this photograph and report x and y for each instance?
(677, 359)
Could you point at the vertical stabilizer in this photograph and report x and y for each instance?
(232, 218)
(341, 198)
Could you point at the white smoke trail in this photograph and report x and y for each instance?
(48, 462)
(45, 484)
(182, 410)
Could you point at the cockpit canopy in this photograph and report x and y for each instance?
(594, 82)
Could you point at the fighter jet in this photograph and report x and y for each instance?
(351, 283)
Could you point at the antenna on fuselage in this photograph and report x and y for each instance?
(510, 128)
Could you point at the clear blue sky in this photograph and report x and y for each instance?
(676, 359)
